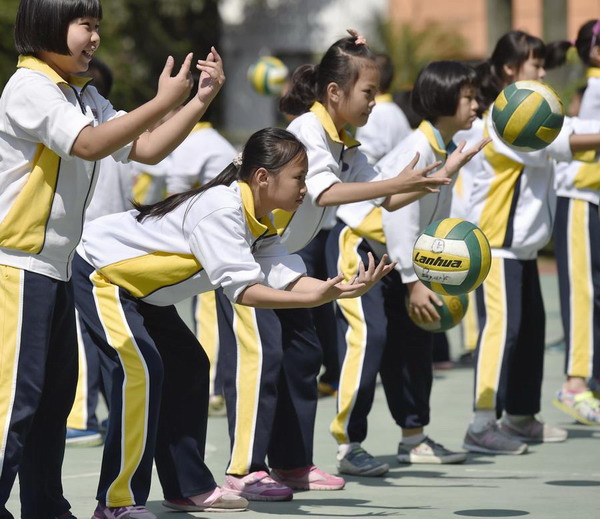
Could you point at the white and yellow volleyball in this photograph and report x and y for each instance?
(452, 256)
(268, 75)
(451, 313)
(528, 115)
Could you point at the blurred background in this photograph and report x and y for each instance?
(137, 36)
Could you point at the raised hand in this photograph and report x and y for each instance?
(174, 90)
(212, 76)
(410, 180)
(459, 157)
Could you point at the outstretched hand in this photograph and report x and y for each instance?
(367, 277)
(174, 90)
(459, 157)
(411, 180)
(212, 76)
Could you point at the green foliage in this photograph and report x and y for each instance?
(412, 48)
(137, 36)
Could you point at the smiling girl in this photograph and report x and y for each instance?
(53, 129)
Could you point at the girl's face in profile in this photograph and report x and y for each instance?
(466, 112)
(83, 39)
(531, 69)
(356, 105)
(286, 190)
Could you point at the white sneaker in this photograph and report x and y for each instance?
(428, 451)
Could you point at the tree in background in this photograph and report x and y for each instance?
(137, 36)
(412, 48)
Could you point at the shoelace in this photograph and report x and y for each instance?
(121, 511)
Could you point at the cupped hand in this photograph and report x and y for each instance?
(212, 76)
(411, 180)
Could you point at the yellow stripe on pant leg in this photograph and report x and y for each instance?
(247, 386)
(581, 292)
(78, 417)
(135, 389)
(11, 315)
(356, 338)
(471, 324)
(207, 331)
(493, 338)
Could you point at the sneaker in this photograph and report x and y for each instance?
(122, 512)
(358, 462)
(216, 406)
(492, 441)
(83, 438)
(428, 451)
(213, 501)
(533, 430)
(308, 478)
(257, 486)
(584, 407)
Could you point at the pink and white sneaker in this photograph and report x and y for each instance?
(308, 478)
(216, 500)
(122, 512)
(257, 486)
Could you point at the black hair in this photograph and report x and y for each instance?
(438, 87)
(102, 77)
(386, 71)
(43, 24)
(309, 82)
(514, 48)
(269, 148)
(587, 37)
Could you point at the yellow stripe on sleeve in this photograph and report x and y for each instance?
(134, 414)
(248, 376)
(11, 313)
(493, 337)
(581, 290)
(356, 337)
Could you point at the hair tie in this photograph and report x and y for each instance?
(359, 38)
(237, 161)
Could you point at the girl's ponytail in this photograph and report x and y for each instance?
(556, 53)
(489, 86)
(160, 209)
(302, 92)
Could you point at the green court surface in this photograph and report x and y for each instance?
(551, 481)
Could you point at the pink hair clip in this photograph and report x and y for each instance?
(360, 39)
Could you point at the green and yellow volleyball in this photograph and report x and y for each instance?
(268, 75)
(452, 256)
(528, 115)
(451, 312)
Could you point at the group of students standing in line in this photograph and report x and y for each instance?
(293, 201)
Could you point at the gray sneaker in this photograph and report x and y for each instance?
(533, 431)
(359, 462)
(493, 441)
(428, 451)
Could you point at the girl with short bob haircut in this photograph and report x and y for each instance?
(133, 267)
(54, 127)
(375, 333)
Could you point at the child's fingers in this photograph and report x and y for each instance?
(216, 55)
(427, 169)
(414, 161)
(186, 65)
(461, 146)
(168, 68)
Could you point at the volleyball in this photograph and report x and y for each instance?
(268, 75)
(452, 256)
(528, 115)
(451, 312)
